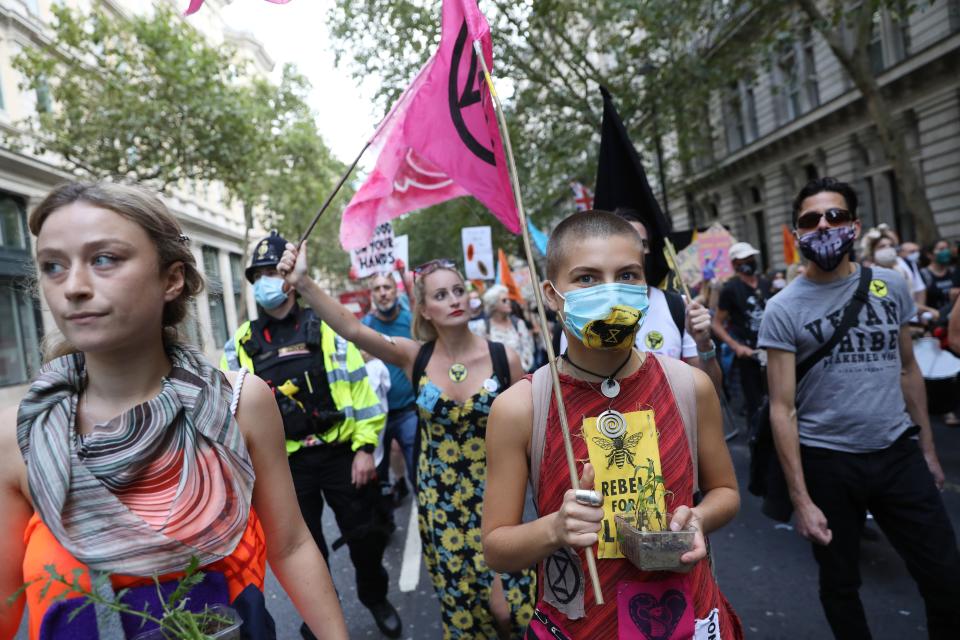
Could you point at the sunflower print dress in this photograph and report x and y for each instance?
(451, 477)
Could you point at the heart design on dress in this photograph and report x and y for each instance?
(657, 619)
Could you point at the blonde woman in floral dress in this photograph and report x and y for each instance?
(456, 375)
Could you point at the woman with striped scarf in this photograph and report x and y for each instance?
(131, 455)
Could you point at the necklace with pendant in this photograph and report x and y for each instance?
(609, 387)
(611, 423)
(458, 371)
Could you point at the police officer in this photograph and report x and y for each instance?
(331, 418)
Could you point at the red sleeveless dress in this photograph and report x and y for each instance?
(646, 389)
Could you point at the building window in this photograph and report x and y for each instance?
(733, 118)
(19, 342)
(788, 84)
(740, 115)
(12, 228)
(810, 82)
(218, 312)
(875, 48)
(43, 97)
(760, 229)
(953, 14)
(20, 337)
(239, 281)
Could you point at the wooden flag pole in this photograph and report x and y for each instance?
(544, 328)
(672, 261)
(336, 190)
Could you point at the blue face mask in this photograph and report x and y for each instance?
(268, 292)
(606, 316)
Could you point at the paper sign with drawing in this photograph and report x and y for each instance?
(617, 443)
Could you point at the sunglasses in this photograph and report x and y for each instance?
(811, 219)
(430, 266)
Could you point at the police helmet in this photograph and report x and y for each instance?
(267, 253)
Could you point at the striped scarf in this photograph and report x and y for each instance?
(167, 480)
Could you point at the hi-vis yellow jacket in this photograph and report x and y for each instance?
(349, 387)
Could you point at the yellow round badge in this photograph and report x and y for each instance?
(654, 340)
(878, 288)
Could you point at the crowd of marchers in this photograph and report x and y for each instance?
(132, 459)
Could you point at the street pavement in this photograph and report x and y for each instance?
(766, 571)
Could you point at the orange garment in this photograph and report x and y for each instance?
(245, 566)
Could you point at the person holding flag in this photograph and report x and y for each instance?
(596, 282)
(456, 376)
(673, 327)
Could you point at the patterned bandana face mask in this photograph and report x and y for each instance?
(606, 316)
(827, 247)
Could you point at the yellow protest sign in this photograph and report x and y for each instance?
(617, 443)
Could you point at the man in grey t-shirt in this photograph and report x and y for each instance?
(855, 434)
(844, 403)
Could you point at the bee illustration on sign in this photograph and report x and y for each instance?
(618, 445)
(620, 449)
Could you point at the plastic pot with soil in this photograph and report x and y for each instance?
(218, 622)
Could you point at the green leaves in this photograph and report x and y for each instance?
(148, 99)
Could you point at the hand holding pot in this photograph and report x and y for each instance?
(576, 524)
(687, 518)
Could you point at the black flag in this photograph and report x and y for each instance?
(622, 184)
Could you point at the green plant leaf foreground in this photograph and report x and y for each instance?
(176, 622)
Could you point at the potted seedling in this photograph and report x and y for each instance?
(643, 533)
(174, 622)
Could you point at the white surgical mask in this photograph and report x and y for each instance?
(886, 257)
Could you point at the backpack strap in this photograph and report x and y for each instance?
(540, 381)
(850, 315)
(501, 366)
(678, 310)
(680, 378)
(420, 364)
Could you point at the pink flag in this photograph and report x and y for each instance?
(196, 4)
(441, 139)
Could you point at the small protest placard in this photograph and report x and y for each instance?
(478, 253)
(376, 257)
(713, 247)
(688, 265)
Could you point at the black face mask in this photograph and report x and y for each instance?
(747, 268)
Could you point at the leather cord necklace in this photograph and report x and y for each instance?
(609, 387)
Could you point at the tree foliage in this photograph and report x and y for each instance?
(148, 99)
(143, 99)
(661, 59)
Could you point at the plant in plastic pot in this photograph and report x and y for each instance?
(643, 534)
(174, 621)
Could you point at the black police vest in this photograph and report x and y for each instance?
(293, 367)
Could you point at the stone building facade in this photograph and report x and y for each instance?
(800, 117)
(216, 230)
